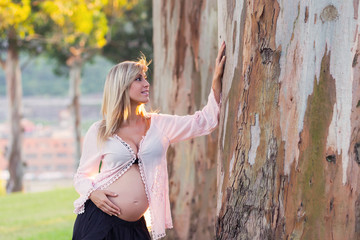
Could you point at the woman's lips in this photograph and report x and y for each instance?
(145, 93)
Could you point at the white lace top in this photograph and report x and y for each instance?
(117, 157)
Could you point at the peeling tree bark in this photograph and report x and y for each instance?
(185, 48)
(14, 95)
(289, 134)
(289, 131)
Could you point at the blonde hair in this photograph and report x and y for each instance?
(116, 106)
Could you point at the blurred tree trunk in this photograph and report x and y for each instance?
(14, 94)
(289, 137)
(185, 48)
(75, 64)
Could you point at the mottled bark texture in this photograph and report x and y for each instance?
(185, 48)
(289, 138)
(14, 96)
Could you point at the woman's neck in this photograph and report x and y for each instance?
(135, 116)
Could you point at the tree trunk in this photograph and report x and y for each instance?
(289, 138)
(75, 66)
(14, 94)
(185, 48)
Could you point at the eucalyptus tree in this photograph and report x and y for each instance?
(185, 48)
(287, 151)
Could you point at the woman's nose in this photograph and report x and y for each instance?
(147, 84)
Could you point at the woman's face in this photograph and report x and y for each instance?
(139, 89)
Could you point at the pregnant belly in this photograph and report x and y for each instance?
(131, 198)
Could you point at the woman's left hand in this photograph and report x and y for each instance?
(218, 72)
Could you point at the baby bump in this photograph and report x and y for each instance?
(131, 198)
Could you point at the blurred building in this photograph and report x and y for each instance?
(44, 157)
(48, 145)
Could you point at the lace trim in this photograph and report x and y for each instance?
(80, 208)
(141, 168)
(158, 236)
(125, 145)
(142, 174)
(119, 174)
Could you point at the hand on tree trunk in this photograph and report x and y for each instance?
(218, 72)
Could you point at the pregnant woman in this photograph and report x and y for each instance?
(123, 169)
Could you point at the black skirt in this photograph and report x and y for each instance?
(94, 224)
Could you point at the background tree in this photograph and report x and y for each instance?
(130, 30)
(80, 28)
(19, 23)
(78, 32)
(185, 48)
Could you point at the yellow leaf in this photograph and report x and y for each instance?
(70, 39)
(101, 42)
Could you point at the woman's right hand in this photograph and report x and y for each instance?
(218, 71)
(101, 200)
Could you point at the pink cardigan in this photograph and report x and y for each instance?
(117, 157)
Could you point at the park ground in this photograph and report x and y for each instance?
(45, 215)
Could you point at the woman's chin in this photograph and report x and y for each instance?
(141, 101)
(144, 101)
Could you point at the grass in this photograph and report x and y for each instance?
(37, 216)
